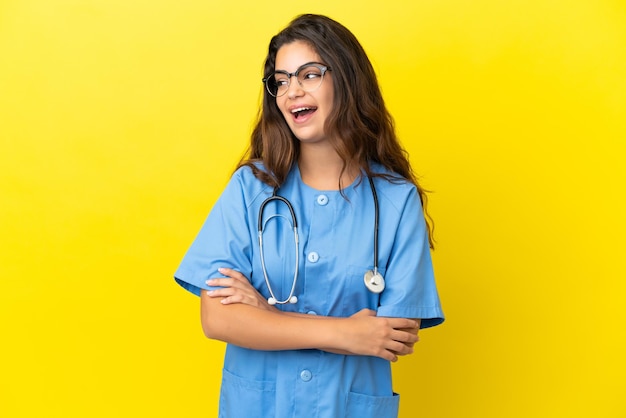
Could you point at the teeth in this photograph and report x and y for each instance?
(300, 109)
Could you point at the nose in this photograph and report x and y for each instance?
(294, 89)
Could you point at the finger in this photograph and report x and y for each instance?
(220, 282)
(402, 323)
(226, 282)
(404, 337)
(411, 330)
(391, 356)
(222, 292)
(232, 273)
(410, 345)
(236, 298)
(386, 354)
(399, 348)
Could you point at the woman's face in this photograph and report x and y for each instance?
(305, 111)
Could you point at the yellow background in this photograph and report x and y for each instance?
(120, 123)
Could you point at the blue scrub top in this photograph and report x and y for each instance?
(336, 248)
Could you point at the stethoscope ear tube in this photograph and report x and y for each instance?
(273, 197)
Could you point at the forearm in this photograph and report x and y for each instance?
(261, 329)
(413, 330)
(318, 317)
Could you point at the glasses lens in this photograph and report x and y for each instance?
(277, 84)
(310, 77)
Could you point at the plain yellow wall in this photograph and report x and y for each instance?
(120, 122)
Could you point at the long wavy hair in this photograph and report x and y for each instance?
(360, 127)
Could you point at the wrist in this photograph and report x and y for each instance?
(335, 335)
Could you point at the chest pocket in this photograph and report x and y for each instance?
(355, 295)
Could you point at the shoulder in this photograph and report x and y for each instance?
(246, 174)
(392, 187)
(247, 185)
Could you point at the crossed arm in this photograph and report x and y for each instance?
(238, 314)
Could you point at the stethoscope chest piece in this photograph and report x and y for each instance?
(374, 281)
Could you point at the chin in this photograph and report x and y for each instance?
(309, 139)
(308, 136)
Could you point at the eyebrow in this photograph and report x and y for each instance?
(306, 63)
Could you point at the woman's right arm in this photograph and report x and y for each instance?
(270, 329)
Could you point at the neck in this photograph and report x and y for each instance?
(320, 168)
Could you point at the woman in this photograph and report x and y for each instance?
(310, 326)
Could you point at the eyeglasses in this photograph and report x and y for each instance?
(309, 76)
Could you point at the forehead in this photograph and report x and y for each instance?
(292, 55)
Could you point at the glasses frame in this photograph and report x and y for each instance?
(323, 68)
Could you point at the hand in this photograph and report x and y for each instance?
(236, 288)
(388, 338)
(413, 331)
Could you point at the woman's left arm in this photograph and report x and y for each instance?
(236, 288)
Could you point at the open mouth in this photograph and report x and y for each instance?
(303, 111)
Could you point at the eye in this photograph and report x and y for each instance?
(281, 80)
(311, 73)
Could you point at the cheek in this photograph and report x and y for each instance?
(281, 105)
(329, 100)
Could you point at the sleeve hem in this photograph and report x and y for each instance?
(430, 316)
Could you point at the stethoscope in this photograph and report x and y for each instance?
(373, 280)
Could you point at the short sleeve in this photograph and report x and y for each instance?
(410, 290)
(223, 241)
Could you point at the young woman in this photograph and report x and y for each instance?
(314, 264)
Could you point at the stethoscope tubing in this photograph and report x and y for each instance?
(376, 217)
(273, 197)
(272, 300)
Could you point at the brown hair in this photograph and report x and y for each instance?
(360, 126)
